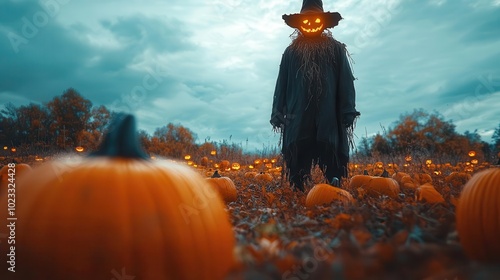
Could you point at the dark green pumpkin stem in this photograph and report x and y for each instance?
(216, 174)
(385, 174)
(121, 139)
(365, 172)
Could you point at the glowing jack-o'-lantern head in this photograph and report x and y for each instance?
(312, 20)
(312, 25)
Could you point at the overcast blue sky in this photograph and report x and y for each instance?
(212, 65)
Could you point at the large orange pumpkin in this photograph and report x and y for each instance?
(478, 216)
(427, 193)
(382, 186)
(322, 194)
(457, 179)
(118, 214)
(224, 186)
(376, 185)
(357, 181)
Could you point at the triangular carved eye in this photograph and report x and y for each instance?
(318, 20)
(305, 21)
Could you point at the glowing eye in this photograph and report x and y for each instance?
(318, 20)
(305, 21)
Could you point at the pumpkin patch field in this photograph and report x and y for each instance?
(119, 213)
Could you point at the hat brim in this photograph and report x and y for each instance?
(330, 19)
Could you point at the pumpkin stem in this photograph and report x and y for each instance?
(385, 174)
(216, 174)
(365, 172)
(121, 139)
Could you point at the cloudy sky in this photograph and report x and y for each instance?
(212, 65)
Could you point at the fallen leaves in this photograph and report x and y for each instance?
(411, 235)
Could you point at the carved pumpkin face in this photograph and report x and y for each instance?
(312, 25)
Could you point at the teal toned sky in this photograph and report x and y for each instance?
(212, 65)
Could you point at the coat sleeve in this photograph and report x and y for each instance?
(346, 91)
(279, 100)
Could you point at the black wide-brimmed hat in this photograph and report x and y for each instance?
(313, 7)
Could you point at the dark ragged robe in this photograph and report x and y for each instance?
(315, 95)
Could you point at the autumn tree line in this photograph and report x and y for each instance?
(70, 120)
(422, 135)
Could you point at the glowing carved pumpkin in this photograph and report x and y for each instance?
(311, 25)
(117, 211)
(79, 149)
(477, 213)
(235, 166)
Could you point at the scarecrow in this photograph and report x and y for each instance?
(314, 100)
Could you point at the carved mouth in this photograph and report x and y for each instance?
(312, 30)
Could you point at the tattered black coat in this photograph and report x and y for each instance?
(322, 105)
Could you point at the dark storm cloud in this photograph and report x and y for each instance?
(140, 32)
(212, 66)
(40, 61)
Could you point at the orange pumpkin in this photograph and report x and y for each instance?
(225, 165)
(117, 212)
(422, 178)
(477, 216)
(235, 166)
(322, 194)
(457, 179)
(382, 186)
(408, 183)
(398, 176)
(224, 186)
(250, 174)
(312, 25)
(204, 161)
(358, 181)
(264, 177)
(427, 193)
